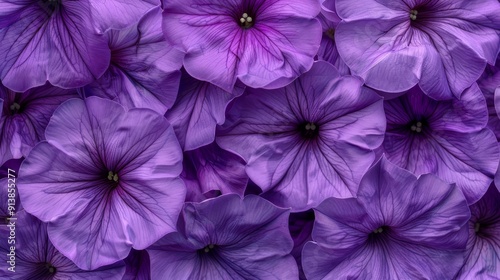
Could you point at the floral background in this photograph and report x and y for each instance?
(249, 139)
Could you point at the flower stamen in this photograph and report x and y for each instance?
(15, 106)
(413, 14)
(378, 230)
(246, 21)
(208, 248)
(476, 227)
(112, 176)
(416, 127)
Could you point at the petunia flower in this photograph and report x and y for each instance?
(483, 247)
(111, 177)
(37, 258)
(226, 238)
(443, 46)
(264, 44)
(24, 116)
(308, 141)
(144, 70)
(199, 108)
(50, 40)
(446, 138)
(399, 227)
(210, 171)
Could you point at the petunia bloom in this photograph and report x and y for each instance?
(264, 44)
(36, 258)
(446, 138)
(199, 108)
(112, 175)
(483, 247)
(226, 238)
(210, 171)
(399, 227)
(144, 70)
(443, 46)
(24, 116)
(50, 40)
(308, 141)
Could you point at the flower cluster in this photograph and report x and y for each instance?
(249, 139)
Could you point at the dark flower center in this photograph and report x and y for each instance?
(308, 130)
(50, 5)
(208, 249)
(44, 270)
(330, 33)
(379, 234)
(246, 20)
(413, 14)
(15, 108)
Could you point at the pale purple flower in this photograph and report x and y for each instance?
(308, 141)
(210, 171)
(446, 138)
(398, 227)
(36, 257)
(50, 40)
(264, 44)
(483, 247)
(24, 116)
(111, 177)
(226, 238)
(199, 108)
(144, 70)
(443, 46)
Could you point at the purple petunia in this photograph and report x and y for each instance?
(113, 175)
(262, 43)
(446, 138)
(24, 116)
(226, 238)
(144, 70)
(36, 258)
(308, 141)
(443, 46)
(483, 247)
(399, 227)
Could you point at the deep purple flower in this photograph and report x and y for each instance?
(137, 266)
(113, 175)
(328, 49)
(199, 108)
(37, 258)
(443, 46)
(483, 247)
(144, 70)
(308, 141)
(24, 116)
(265, 44)
(446, 138)
(210, 171)
(226, 238)
(399, 227)
(50, 40)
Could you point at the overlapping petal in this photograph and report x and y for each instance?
(144, 68)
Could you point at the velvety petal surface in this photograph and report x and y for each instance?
(199, 108)
(114, 180)
(118, 14)
(41, 43)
